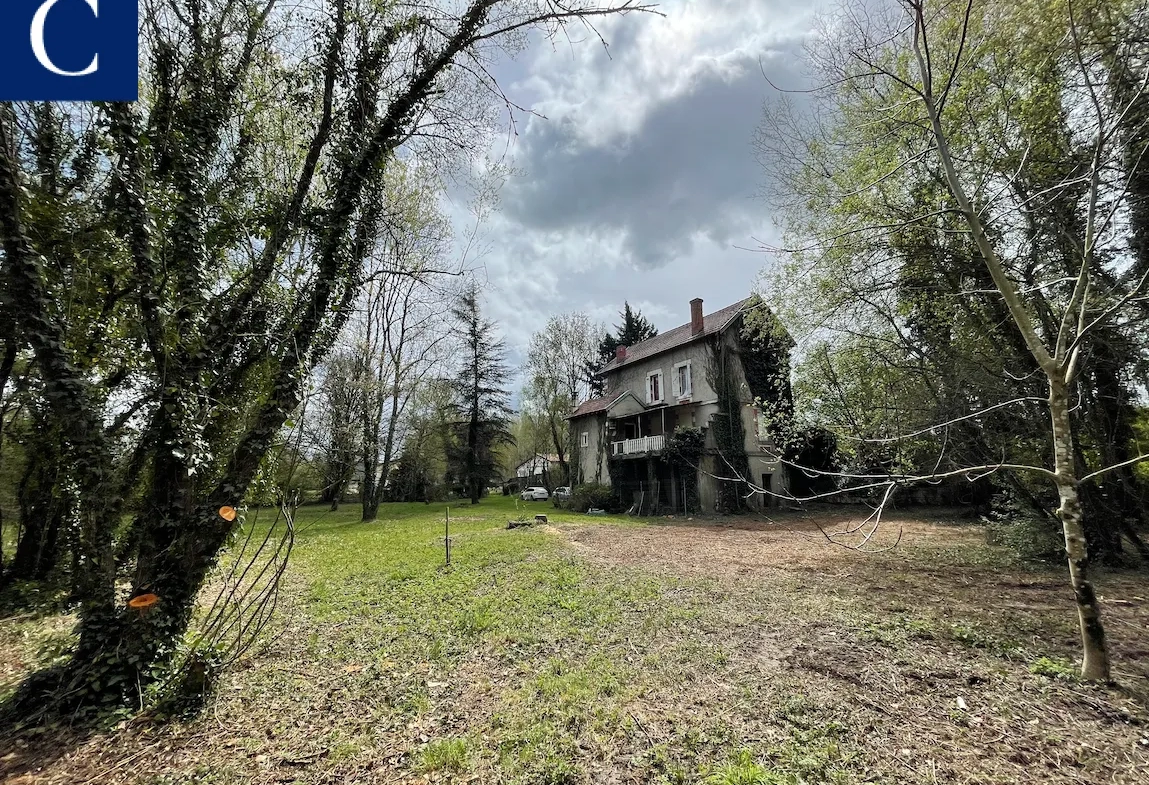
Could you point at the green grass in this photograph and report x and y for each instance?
(533, 661)
(444, 755)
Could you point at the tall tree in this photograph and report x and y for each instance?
(236, 203)
(481, 398)
(962, 165)
(635, 328)
(401, 334)
(557, 379)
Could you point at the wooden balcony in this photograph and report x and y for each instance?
(640, 446)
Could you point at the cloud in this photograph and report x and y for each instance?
(686, 170)
(636, 180)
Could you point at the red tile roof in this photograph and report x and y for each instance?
(672, 339)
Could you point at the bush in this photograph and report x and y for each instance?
(591, 494)
(1016, 523)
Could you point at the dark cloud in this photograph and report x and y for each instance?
(687, 170)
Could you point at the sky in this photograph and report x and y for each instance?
(635, 178)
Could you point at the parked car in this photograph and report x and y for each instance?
(561, 494)
(535, 495)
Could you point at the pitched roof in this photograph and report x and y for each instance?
(539, 458)
(590, 407)
(672, 339)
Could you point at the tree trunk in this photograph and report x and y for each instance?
(42, 510)
(473, 457)
(370, 492)
(559, 439)
(1095, 656)
(371, 507)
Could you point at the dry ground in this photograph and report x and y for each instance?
(599, 651)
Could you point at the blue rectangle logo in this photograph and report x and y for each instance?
(69, 50)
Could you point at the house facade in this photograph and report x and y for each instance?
(538, 466)
(690, 377)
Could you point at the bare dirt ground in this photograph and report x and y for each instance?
(937, 673)
(718, 652)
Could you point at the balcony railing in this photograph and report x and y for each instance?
(639, 445)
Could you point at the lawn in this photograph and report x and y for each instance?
(611, 650)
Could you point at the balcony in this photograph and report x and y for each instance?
(639, 446)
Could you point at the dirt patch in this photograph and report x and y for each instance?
(757, 546)
(933, 650)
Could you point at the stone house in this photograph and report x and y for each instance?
(690, 377)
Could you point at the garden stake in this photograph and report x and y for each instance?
(447, 535)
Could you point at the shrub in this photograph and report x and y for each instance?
(591, 494)
(1016, 523)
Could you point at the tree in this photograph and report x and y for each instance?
(226, 218)
(341, 405)
(421, 472)
(402, 335)
(557, 379)
(986, 138)
(635, 328)
(482, 402)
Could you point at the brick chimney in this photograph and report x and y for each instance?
(620, 353)
(696, 316)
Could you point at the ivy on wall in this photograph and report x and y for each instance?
(765, 348)
(726, 425)
(683, 451)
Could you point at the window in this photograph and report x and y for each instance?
(654, 387)
(584, 439)
(682, 380)
(762, 425)
(767, 483)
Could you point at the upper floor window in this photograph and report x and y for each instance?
(654, 387)
(584, 440)
(682, 380)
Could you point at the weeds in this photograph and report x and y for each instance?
(444, 755)
(1054, 669)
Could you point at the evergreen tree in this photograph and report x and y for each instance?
(481, 397)
(635, 328)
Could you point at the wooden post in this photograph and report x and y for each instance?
(447, 535)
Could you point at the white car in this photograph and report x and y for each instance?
(535, 495)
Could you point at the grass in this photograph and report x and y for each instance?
(611, 649)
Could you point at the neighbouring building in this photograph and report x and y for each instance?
(538, 470)
(697, 386)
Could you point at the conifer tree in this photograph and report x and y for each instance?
(481, 397)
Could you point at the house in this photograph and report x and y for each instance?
(538, 465)
(704, 377)
(538, 469)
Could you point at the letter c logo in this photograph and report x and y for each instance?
(38, 40)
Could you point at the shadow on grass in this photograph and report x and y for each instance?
(37, 729)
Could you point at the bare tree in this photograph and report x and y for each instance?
(403, 331)
(556, 369)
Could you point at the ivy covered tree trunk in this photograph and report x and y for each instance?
(222, 225)
(43, 514)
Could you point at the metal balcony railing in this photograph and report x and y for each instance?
(639, 445)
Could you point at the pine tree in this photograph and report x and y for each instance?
(481, 397)
(635, 328)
